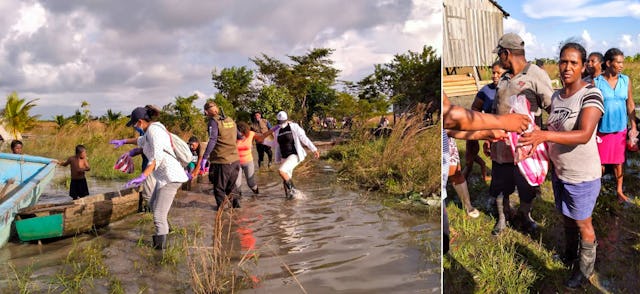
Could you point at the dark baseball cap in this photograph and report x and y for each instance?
(509, 41)
(137, 114)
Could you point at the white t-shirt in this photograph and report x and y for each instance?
(156, 145)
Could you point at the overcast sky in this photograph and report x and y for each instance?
(121, 54)
(597, 24)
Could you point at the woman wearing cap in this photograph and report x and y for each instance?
(163, 165)
(289, 137)
(619, 110)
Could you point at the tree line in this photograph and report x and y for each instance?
(305, 86)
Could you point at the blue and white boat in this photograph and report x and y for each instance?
(22, 179)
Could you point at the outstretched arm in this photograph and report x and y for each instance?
(459, 118)
(589, 118)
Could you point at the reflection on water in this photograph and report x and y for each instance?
(332, 242)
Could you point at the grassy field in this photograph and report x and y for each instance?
(515, 262)
(404, 165)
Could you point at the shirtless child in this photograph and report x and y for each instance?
(79, 165)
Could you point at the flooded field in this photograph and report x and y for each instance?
(335, 240)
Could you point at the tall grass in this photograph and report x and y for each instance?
(211, 268)
(404, 164)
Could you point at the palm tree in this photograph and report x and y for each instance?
(61, 120)
(112, 116)
(15, 115)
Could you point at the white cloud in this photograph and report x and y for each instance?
(587, 41)
(31, 19)
(580, 10)
(533, 48)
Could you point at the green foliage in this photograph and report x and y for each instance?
(225, 106)
(78, 118)
(313, 70)
(111, 117)
(182, 116)
(401, 164)
(233, 84)
(410, 78)
(15, 115)
(272, 99)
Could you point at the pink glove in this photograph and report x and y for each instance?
(136, 182)
(118, 143)
(203, 164)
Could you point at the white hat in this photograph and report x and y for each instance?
(281, 115)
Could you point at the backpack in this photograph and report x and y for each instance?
(181, 150)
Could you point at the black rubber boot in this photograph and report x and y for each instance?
(290, 189)
(235, 202)
(583, 269)
(571, 243)
(256, 190)
(159, 242)
(524, 214)
(502, 222)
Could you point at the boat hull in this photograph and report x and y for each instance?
(74, 217)
(30, 175)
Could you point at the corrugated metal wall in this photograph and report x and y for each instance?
(471, 31)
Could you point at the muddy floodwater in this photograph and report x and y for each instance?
(335, 240)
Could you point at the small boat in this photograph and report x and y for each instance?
(22, 179)
(45, 221)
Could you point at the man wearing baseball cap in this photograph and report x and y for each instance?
(521, 78)
(289, 138)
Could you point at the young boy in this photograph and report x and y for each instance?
(16, 147)
(79, 165)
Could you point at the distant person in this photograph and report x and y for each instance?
(79, 165)
(247, 166)
(619, 112)
(575, 112)
(483, 102)
(288, 147)
(16, 147)
(261, 126)
(521, 78)
(163, 165)
(193, 168)
(594, 67)
(222, 152)
(384, 122)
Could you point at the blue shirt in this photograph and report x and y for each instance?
(615, 115)
(487, 94)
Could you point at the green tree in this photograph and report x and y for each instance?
(411, 78)
(307, 72)
(183, 115)
(15, 115)
(272, 99)
(60, 120)
(78, 118)
(226, 107)
(111, 117)
(234, 83)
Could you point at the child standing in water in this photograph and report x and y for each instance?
(79, 165)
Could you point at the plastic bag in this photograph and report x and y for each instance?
(124, 164)
(534, 168)
(632, 141)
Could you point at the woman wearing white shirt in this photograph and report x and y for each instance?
(157, 147)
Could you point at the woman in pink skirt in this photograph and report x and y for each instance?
(618, 110)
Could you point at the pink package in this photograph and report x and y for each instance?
(533, 168)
